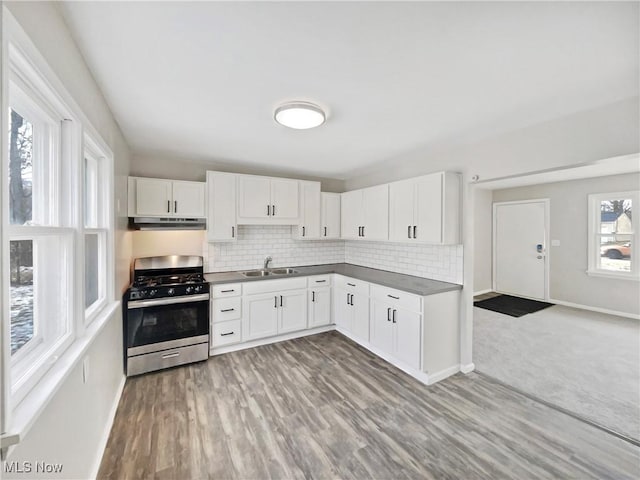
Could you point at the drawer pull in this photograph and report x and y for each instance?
(225, 334)
(389, 314)
(394, 316)
(351, 284)
(171, 355)
(320, 281)
(395, 298)
(227, 291)
(228, 310)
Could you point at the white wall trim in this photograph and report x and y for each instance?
(107, 429)
(470, 367)
(617, 313)
(482, 292)
(267, 341)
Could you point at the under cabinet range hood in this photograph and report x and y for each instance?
(167, 223)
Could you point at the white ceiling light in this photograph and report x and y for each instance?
(299, 115)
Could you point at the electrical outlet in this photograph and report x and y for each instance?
(85, 370)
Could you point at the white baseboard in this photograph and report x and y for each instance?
(107, 428)
(595, 309)
(267, 341)
(468, 368)
(482, 292)
(427, 379)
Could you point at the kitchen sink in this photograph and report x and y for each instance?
(264, 273)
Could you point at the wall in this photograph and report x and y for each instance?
(158, 243)
(568, 280)
(71, 429)
(437, 262)
(482, 247)
(159, 166)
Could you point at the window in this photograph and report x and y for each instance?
(57, 180)
(612, 240)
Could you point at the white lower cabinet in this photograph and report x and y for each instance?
(292, 311)
(351, 310)
(319, 301)
(260, 317)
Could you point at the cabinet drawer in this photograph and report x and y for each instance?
(224, 309)
(352, 285)
(226, 290)
(397, 298)
(319, 281)
(278, 285)
(226, 333)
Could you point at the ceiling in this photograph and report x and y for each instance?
(201, 80)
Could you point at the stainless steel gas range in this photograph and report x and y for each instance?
(166, 314)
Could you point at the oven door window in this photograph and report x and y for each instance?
(163, 323)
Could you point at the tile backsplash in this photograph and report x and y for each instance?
(255, 242)
(439, 262)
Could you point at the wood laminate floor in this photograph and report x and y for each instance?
(323, 407)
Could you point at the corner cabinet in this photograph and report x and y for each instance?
(222, 224)
(425, 209)
(157, 197)
(309, 227)
(268, 201)
(364, 214)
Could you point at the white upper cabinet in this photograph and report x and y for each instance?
(365, 213)
(330, 215)
(156, 197)
(266, 200)
(425, 209)
(309, 227)
(189, 199)
(221, 211)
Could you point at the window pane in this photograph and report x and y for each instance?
(615, 253)
(20, 169)
(21, 285)
(90, 193)
(615, 218)
(91, 268)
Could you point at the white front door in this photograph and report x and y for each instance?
(519, 248)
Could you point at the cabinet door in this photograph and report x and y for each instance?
(429, 208)
(254, 197)
(188, 199)
(342, 311)
(375, 204)
(260, 316)
(360, 325)
(401, 210)
(221, 211)
(309, 227)
(293, 311)
(381, 335)
(351, 214)
(153, 197)
(407, 338)
(330, 222)
(319, 307)
(285, 198)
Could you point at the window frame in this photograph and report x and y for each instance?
(595, 235)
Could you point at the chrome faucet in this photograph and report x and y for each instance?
(266, 262)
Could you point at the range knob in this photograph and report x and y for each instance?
(171, 291)
(189, 289)
(153, 292)
(198, 288)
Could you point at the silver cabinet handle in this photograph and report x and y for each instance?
(325, 231)
(303, 231)
(351, 284)
(167, 301)
(233, 232)
(225, 334)
(228, 310)
(168, 206)
(268, 210)
(171, 355)
(363, 231)
(275, 302)
(395, 298)
(227, 291)
(280, 300)
(320, 281)
(348, 295)
(389, 314)
(273, 210)
(394, 316)
(415, 228)
(175, 206)
(313, 296)
(409, 231)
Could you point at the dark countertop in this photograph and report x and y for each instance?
(407, 283)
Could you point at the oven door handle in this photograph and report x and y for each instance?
(167, 301)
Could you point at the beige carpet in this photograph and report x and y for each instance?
(586, 362)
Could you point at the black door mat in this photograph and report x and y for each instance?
(513, 306)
